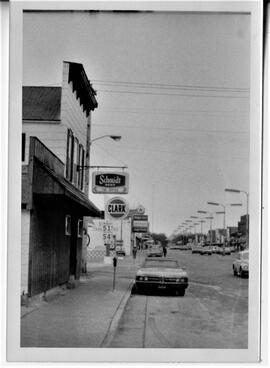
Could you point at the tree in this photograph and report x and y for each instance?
(160, 237)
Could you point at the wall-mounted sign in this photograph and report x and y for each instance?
(110, 182)
(116, 208)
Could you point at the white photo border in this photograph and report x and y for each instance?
(14, 351)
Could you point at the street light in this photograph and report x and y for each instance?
(113, 137)
(210, 218)
(201, 221)
(224, 213)
(247, 219)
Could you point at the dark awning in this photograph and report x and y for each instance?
(47, 182)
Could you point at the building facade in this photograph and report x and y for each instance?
(55, 150)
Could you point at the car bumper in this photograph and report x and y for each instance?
(155, 255)
(162, 285)
(245, 273)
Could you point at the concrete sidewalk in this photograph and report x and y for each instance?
(86, 316)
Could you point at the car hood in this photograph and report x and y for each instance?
(163, 272)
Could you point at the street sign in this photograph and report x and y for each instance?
(110, 182)
(116, 208)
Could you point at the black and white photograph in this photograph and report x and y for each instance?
(136, 181)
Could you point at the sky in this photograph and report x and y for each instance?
(175, 86)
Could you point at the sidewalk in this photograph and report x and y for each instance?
(86, 316)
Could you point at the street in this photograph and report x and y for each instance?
(212, 314)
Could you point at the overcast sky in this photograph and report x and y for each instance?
(175, 86)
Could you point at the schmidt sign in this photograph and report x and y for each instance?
(110, 182)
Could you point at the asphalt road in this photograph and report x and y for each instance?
(212, 314)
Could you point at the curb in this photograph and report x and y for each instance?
(116, 318)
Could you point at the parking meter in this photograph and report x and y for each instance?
(114, 269)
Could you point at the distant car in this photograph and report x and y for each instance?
(162, 273)
(241, 264)
(155, 251)
(226, 251)
(183, 247)
(120, 252)
(196, 249)
(214, 249)
(219, 250)
(206, 250)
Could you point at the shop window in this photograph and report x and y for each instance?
(68, 225)
(80, 228)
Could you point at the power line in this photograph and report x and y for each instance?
(180, 153)
(172, 129)
(168, 94)
(110, 154)
(170, 86)
(225, 113)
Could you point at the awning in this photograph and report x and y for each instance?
(47, 182)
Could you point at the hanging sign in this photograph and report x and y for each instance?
(110, 182)
(116, 208)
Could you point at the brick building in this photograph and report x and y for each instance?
(55, 149)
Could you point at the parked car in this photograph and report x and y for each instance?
(196, 249)
(206, 250)
(120, 252)
(154, 251)
(241, 264)
(214, 249)
(226, 251)
(162, 273)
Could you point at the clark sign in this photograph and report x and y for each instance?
(116, 208)
(110, 182)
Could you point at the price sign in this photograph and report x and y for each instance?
(107, 233)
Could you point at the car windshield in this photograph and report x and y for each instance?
(162, 264)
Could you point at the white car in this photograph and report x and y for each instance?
(241, 264)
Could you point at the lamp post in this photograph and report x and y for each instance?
(224, 213)
(247, 201)
(113, 137)
(209, 218)
(201, 221)
(88, 145)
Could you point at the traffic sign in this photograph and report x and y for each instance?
(116, 208)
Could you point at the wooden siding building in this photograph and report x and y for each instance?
(55, 149)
